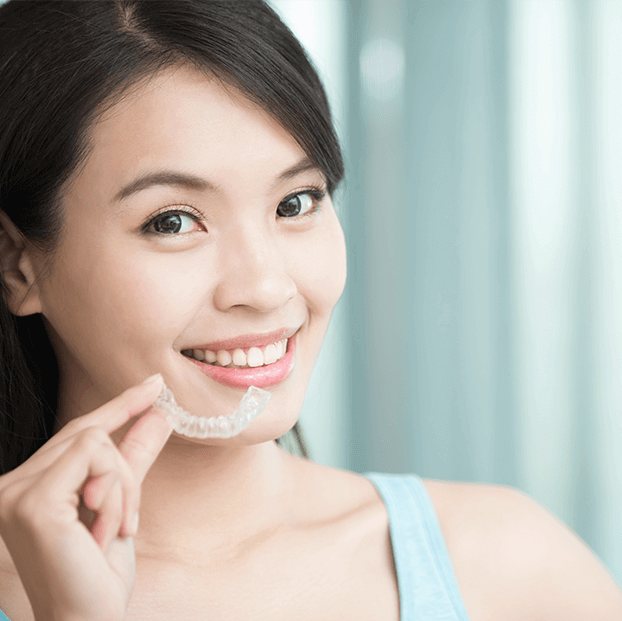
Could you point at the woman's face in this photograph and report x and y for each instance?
(197, 222)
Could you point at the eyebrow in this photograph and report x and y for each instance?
(192, 182)
(163, 177)
(304, 165)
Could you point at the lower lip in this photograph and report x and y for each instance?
(262, 377)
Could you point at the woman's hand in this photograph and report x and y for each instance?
(71, 571)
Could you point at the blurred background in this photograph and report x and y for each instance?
(480, 334)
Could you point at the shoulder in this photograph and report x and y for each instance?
(514, 559)
(324, 490)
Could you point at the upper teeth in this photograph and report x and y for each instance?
(254, 357)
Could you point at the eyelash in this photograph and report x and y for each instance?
(317, 194)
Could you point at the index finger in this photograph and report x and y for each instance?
(125, 406)
(109, 417)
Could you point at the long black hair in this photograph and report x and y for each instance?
(62, 63)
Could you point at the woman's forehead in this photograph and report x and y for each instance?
(182, 120)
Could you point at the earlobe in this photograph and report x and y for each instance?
(21, 292)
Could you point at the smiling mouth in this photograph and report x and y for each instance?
(249, 358)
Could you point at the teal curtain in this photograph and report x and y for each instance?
(480, 337)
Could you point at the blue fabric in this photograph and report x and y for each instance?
(427, 584)
(428, 589)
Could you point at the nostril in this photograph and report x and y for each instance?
(262, 292)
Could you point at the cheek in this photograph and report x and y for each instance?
(124, 302)
(158, 293)
(319, 266)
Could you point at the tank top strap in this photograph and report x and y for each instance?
(426, 581)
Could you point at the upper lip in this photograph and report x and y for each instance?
(246, 341)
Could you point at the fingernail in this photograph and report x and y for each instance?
(135, 525)
(153, 378)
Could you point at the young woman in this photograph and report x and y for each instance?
(166, 173)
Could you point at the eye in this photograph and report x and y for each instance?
(172, 223)
(301, 204)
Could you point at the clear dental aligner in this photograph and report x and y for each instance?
(252, 404)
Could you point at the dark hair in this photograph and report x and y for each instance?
(62, 62)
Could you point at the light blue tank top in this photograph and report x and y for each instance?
(427, 584)
(425, 577)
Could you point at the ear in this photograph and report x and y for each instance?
(17, 267)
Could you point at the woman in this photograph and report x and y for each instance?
(165, 193)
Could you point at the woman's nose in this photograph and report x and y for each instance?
(254, 275)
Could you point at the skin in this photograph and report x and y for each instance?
(216, 514)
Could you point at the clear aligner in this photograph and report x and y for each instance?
(252, 404)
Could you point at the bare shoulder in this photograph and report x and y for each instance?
(324, 488)
(13, 600)
(514, 559)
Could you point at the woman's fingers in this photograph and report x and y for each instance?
(83, 460)
(108, 520)
(96, 489)
(92, 464)
(41, 516)
(138, 450)
(91, 453)
(49, 499)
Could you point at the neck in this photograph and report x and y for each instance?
(198, 498)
